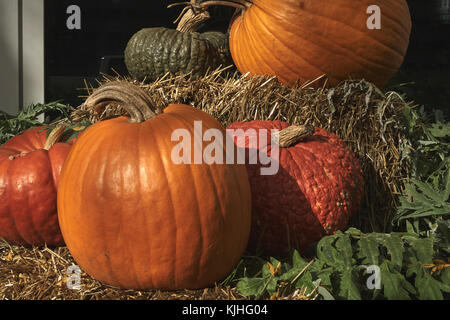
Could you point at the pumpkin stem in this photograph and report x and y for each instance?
(294, 134)
(54, 136)
(189, 19)
(238, 4)
(128, 95)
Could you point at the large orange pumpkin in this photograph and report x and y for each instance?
(30, 165)
(304, 39)
(133, 218)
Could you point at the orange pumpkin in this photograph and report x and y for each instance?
(302, 40)
(133, 218)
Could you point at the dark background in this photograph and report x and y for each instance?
(75, 55)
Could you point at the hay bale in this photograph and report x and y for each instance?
(44, 274)
(367, 119)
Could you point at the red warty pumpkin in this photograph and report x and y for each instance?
(304, 39)
(133, 218)
(318, 186)
(29, 172)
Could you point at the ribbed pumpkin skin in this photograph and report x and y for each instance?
(318, 187)
(302, 40)
(152, 52)
(133, 219)
(28, 185)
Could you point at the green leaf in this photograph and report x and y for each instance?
(442, 235)
(423, 248)
(394, 283)
(368, 251)
(305, 281)
(329, 254)
(297, 260)
(325, 293)
(347, 286)
(251, 286)
(427, 287)
(271, 286)
(445, 278)
(325, 276)
(345, 250)
(395, 248)
(429, 192)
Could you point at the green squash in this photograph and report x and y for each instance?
(153, 52)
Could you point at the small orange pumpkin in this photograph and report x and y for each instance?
(132, 218)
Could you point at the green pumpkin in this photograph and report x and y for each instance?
(153, 52)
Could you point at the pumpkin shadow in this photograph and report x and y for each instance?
(378, 204)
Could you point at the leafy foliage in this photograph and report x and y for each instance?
(11, 126)
(352, 265)
(425, 202)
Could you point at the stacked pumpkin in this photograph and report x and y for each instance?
(132, 217)
(308, 39)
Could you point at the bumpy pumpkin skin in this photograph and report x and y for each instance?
(302, 40)
(153, 52)
(133, 219)
(28, 189)
(318, 187)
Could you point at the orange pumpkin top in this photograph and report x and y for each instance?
(303, 40)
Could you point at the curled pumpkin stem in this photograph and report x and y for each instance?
(294, 134)
(54, 136)
(128, 95)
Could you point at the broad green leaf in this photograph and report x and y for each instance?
(325, 276)
(297, 260)
(428, 287)
(429, 191)
(326, 250)
(290, 274)
(344, 246)
(329, 254)
(265, 271)
(423, 249)
(394, 246)
(251, 286)
(326, 295)
(368, 251)
(305, 281)
(445, 279)
(394, 283)
(427, 212)
(446, 193)
(442, 235)
(347, 286)
(418, 197)
(271, 286)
